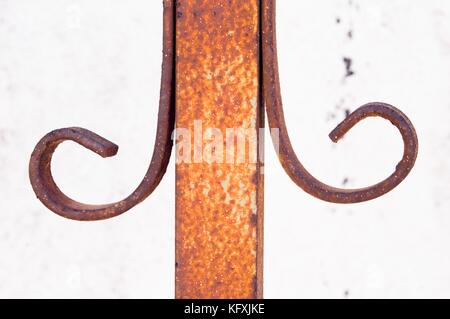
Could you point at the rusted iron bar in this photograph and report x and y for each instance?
(218, 205)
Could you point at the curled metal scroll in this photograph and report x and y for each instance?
(287, 156)
(40, 164)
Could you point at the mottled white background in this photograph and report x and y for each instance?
(95, 64)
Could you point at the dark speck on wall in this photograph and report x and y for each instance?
(347, 113)
(337, 109)
(350, 34)
(346, 294)
(348, 67)
(338, 20)
(345, 181)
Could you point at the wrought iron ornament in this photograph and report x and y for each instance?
(52, 197)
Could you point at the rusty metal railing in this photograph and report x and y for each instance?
(226, 267)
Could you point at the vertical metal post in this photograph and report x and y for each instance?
(219, 193)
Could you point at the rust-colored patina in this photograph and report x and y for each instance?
(217, 83)
(218, 205)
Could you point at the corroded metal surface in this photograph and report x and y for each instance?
(218, 205)
(40, 164)
(287, 156)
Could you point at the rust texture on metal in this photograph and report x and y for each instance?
(40, 164)
(212, 75)
(287, 156)
(218, 205)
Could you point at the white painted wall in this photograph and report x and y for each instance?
(95, 64)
